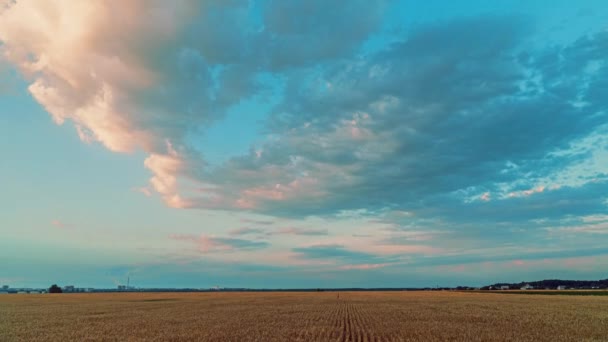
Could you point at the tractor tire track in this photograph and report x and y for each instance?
(353, 324)
(363, 331)
(333, 333)
(374, 326)
(313, 326)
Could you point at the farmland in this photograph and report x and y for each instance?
(285, 316)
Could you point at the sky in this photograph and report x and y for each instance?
(302, 144)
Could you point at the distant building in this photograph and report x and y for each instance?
(69, 288)
(504, 287)
(562, 287)
(122, 287)
(527, 287)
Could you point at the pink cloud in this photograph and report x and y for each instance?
(384, 249)
(165, 168)
(363, 266)
(301, 231)
(301, 187)
(485, 197)
(84, 68)
(143, 190)
(261, 222)
(203, 242)
(536, 190)
(519, 263)
(274, 193)
(59, 224)
(245, 231)
(51, 43)
(355, 128)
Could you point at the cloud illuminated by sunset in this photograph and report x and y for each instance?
(381, 137)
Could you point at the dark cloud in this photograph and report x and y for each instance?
(555, 204)
(241, 243)
(466, 105)
(362, 235)
(246, 231)
(515, 255)
(300, 231)
(345, 258)
(307, 33)
(206, 243)
(258, 222)
(335, 252)
(427, 124)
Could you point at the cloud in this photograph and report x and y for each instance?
(331, 251)
(323, 31)
(143, 190)
(363, 266)
(448, 111)
(466, 121)
(334, 252)
(368, 257)
(362, 235)
(556, 203)
(205, 243)
(301, 231)
(246, 231)
(280, 231)
(258, 222)
(60, 224)
(522, 256)
(145, 76)
(343, 257)
(585, 228)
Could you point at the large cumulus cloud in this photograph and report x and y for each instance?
(466, 110)
(143, 75)
(454, 114)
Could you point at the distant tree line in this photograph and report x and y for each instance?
(554, 283)
(55, 289)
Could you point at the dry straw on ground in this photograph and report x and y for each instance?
(355, 316)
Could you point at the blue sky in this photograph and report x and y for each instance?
(302, 143)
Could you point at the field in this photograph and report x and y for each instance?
(355, 316)
(552, 292)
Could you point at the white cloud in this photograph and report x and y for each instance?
(440, 111)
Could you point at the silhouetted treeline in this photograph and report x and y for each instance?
(554, 283)
(55, 289)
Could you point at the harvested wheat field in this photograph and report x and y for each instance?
(355, 316)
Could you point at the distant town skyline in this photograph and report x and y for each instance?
(302, 144)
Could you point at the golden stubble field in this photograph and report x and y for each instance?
(356, 316)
